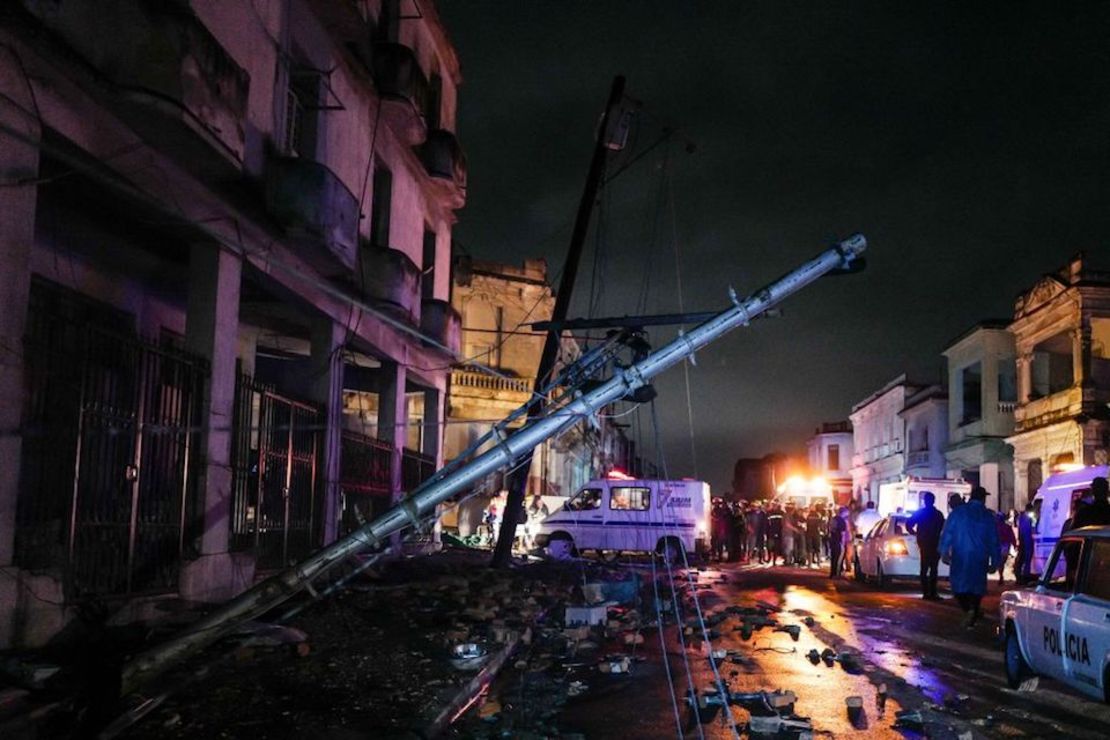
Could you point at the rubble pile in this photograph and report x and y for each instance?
(393, 655)
(588, 649)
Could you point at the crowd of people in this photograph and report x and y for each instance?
(973, 541)
(773, 533)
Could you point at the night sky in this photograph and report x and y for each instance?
(970, 145)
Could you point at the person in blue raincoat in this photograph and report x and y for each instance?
(969, 544)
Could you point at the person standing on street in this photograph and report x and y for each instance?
(739, 533)
(1097, 511)
(969, 544)
(757, 533)
(1006, 542)
(774, 533)
(815, 523)
(867, 518)
(927, 523)
(719, 522)
(840, 535)
(1024, 560)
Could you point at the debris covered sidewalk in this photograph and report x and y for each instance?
(403, 652)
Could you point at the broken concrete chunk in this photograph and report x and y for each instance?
(576, 688)
(489, 709)
(855, 708)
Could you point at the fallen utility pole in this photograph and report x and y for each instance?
(410, 511)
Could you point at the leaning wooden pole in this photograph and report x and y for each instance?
(414, 507)
(518, 480)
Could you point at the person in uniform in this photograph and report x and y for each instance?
(969, 544)
(927, 523)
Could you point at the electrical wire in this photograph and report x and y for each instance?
(722, 689)
(682, 309)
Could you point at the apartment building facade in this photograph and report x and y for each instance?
(983, 395)
(226, 248)
(829, 452)
(1061, 331)
(878, 438)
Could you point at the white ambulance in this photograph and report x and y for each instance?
(1053, 505)
(1061, 629)
(904, 496)
(627, 515)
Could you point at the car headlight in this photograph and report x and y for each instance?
(896, 547)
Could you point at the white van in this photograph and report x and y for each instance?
(630, 515)
(1052, 506)
(905, 495)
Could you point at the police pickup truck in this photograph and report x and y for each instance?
(1061, 628)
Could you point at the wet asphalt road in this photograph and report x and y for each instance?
(916, 648)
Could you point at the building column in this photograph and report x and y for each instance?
(1081, 353)
(327, 340)
(432, 438)
(1024, 364)
(393, 417)
(24, 620)
(432, 442)
(19, 161)
(212, 331)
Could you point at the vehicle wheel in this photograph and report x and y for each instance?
(880, 576)
(857, 571)
(1017, 670)
(671, 551)
(560, 548)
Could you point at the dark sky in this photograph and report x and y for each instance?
(969, 144)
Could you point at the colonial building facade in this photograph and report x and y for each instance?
(925, 416)
(496, 302)
(983, 394)
(829, 452)
(1061, 331)
(878, 438)
(220, 220)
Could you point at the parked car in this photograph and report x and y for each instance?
(619, 514)
(888, 551)
(1061, 628)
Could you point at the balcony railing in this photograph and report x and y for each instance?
(1006, 407)
(445, 162)
(391, 280)
(919, 457)
(441, 322)
(318, 212)
(403, 89)
(485, 381)
(176, 84)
